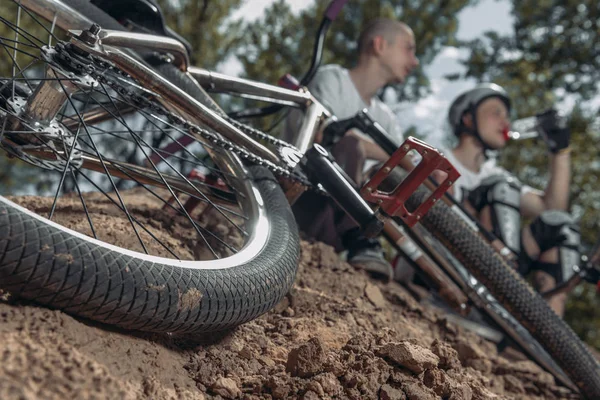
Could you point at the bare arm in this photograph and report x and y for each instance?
(373, 151)
(556, 195)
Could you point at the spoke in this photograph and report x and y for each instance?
(124, 168)
(67, 165)
(26, 35)
(91, 181)
(41, 24)
(52, 30)
(177, 210)
(6, 47)
(5, 39)
(2, 132)
(85, 209)
(108, 174)
(21, 71)
(189, 217)
(14, 58)
(121, 207)
(149, 118)
(181, 175)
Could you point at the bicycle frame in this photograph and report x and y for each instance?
(114, 45)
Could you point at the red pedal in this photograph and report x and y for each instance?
(393, 203)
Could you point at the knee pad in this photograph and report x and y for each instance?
(558, 229)
(503, 195)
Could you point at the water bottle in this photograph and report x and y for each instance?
(524, 128)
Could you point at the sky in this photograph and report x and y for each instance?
(428, 114)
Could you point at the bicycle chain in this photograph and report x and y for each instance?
(82, 64)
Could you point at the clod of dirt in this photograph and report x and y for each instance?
(306, 360)
(374, 295)
(410, 356)
(448, 356)
(512, 384)
(416, 391)
(389, 393)
(329, 383)
(227, 388)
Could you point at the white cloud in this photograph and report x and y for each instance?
(254, 9)
(487, 15)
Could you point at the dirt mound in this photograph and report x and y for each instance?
(337, 334)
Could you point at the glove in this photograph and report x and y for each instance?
(554, 129)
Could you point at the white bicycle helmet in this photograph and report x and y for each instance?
(469, 100)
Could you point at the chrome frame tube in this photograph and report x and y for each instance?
(69, 19)
(143, 41)
(314, 115)
(174, 98)
(217, 82)
(66, 17)
(97, 115)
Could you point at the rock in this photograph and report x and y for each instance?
(480, 364)
(461, 391)
(306, 360)
(374, 295)
(410, 356)
(467, 351)
(437, 380)
(266, 361)
(448, 356)
(389, 393)
(513, 384)
(329, 383)
(289, 312)
(310, 395)
(416, 391)
(279, 387)
(315, 387)
(227, 388)
(280, 392)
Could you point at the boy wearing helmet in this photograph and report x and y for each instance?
(549, 245)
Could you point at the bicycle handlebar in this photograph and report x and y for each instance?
(334, 9)
(331, 14)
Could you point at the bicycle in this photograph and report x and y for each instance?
(138, 288)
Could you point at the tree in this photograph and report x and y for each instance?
(554, 46)
(206, 24)
(281, 42)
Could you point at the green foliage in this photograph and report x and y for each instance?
(281, 42)
(206, 25)
(554, 45)
(583, 314)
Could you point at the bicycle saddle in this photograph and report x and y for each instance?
(143, 15)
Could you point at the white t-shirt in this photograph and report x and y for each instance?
(334, 88)
(470, 180)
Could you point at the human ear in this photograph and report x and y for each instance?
(379, 44)
(467, 120)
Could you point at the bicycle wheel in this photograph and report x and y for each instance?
(514, 294)
(118, 240)
(490, 313)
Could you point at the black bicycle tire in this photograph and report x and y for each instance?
(492, 311)
(518, 297)
(46, 263)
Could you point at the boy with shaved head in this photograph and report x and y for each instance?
(386, 55)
